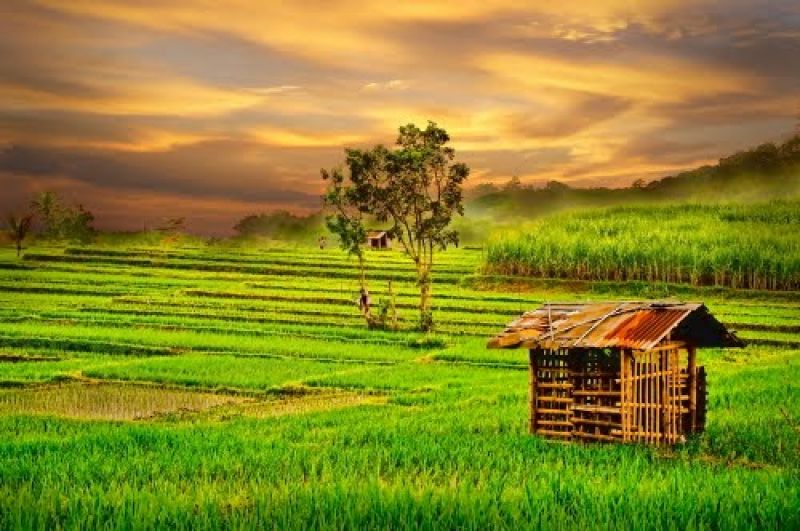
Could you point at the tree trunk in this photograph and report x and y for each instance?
(19, 247)
(362, 279)
(362, 274)
(425, 314)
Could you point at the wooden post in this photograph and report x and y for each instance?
(532, 390)
(664, 398)
(624, 394)
(691, 379)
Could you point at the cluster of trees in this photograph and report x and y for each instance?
(763, 172)
(56, 219)
(60, 221)
(281, 225)
(764, 169)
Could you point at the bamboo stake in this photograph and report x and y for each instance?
(692, 384)
(532, 385)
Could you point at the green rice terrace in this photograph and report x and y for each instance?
(212, 386)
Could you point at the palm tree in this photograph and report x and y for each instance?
(47, 205)
(19, 228)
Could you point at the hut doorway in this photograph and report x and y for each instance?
(378, 239)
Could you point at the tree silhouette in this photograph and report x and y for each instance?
(18, 228)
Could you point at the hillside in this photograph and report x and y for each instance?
(767, 171)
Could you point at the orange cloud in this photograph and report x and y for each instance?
(569, 90)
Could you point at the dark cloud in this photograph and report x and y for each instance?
(207, 170)
(92, 100)
(65, 127)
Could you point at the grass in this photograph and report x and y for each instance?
(741, 246)
(233, 398)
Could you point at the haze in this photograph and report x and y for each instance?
(145, 109)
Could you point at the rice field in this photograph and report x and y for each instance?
(217, 387)
(754, 246)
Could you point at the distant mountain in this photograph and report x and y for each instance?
(764, 172)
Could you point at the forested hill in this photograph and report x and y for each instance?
(764, 172)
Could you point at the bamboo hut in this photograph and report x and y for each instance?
(617, 372)
(379, 239)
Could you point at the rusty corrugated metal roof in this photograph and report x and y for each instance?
(635, 325)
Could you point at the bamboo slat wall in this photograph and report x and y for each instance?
(654, 396)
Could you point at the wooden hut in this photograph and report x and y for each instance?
(617, 371)
(378, 239)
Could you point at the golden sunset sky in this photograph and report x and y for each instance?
(214, 110)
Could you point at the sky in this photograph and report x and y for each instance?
(213, 110)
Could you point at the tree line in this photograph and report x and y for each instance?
(55, 220)
(768, 171)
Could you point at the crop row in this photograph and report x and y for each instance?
(94, 337)
(307, 271)
(453, 257)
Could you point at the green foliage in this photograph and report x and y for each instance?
(769, 171)
(742, 246)
(280, 225)
(417, 187)
(63, 222)
(18, 228)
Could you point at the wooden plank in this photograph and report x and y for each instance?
(558, 423)
(555, 399)
(554, 385)
(672, 345)
(595, 436)
(597, 409)
(593, 392)
(554, 433)
(595, 422)
(543, 411)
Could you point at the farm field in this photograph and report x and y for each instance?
(207, 387)
(755, 246)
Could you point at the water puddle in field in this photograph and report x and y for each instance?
(309, 403)
(116, 401)
(20, 358)
(106, 401)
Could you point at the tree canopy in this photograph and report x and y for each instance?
(415, 188)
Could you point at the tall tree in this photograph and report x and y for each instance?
(416, 186)
(48, 206)
(62, 221)
(18, 228)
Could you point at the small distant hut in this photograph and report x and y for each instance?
(379, 239)
(623, 372)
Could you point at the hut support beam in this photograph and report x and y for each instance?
(692, 384)
(532, 369)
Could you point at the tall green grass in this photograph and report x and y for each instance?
(444, 446)
(741, 246)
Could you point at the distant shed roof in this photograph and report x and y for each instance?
(371, 234)
(636, 325)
